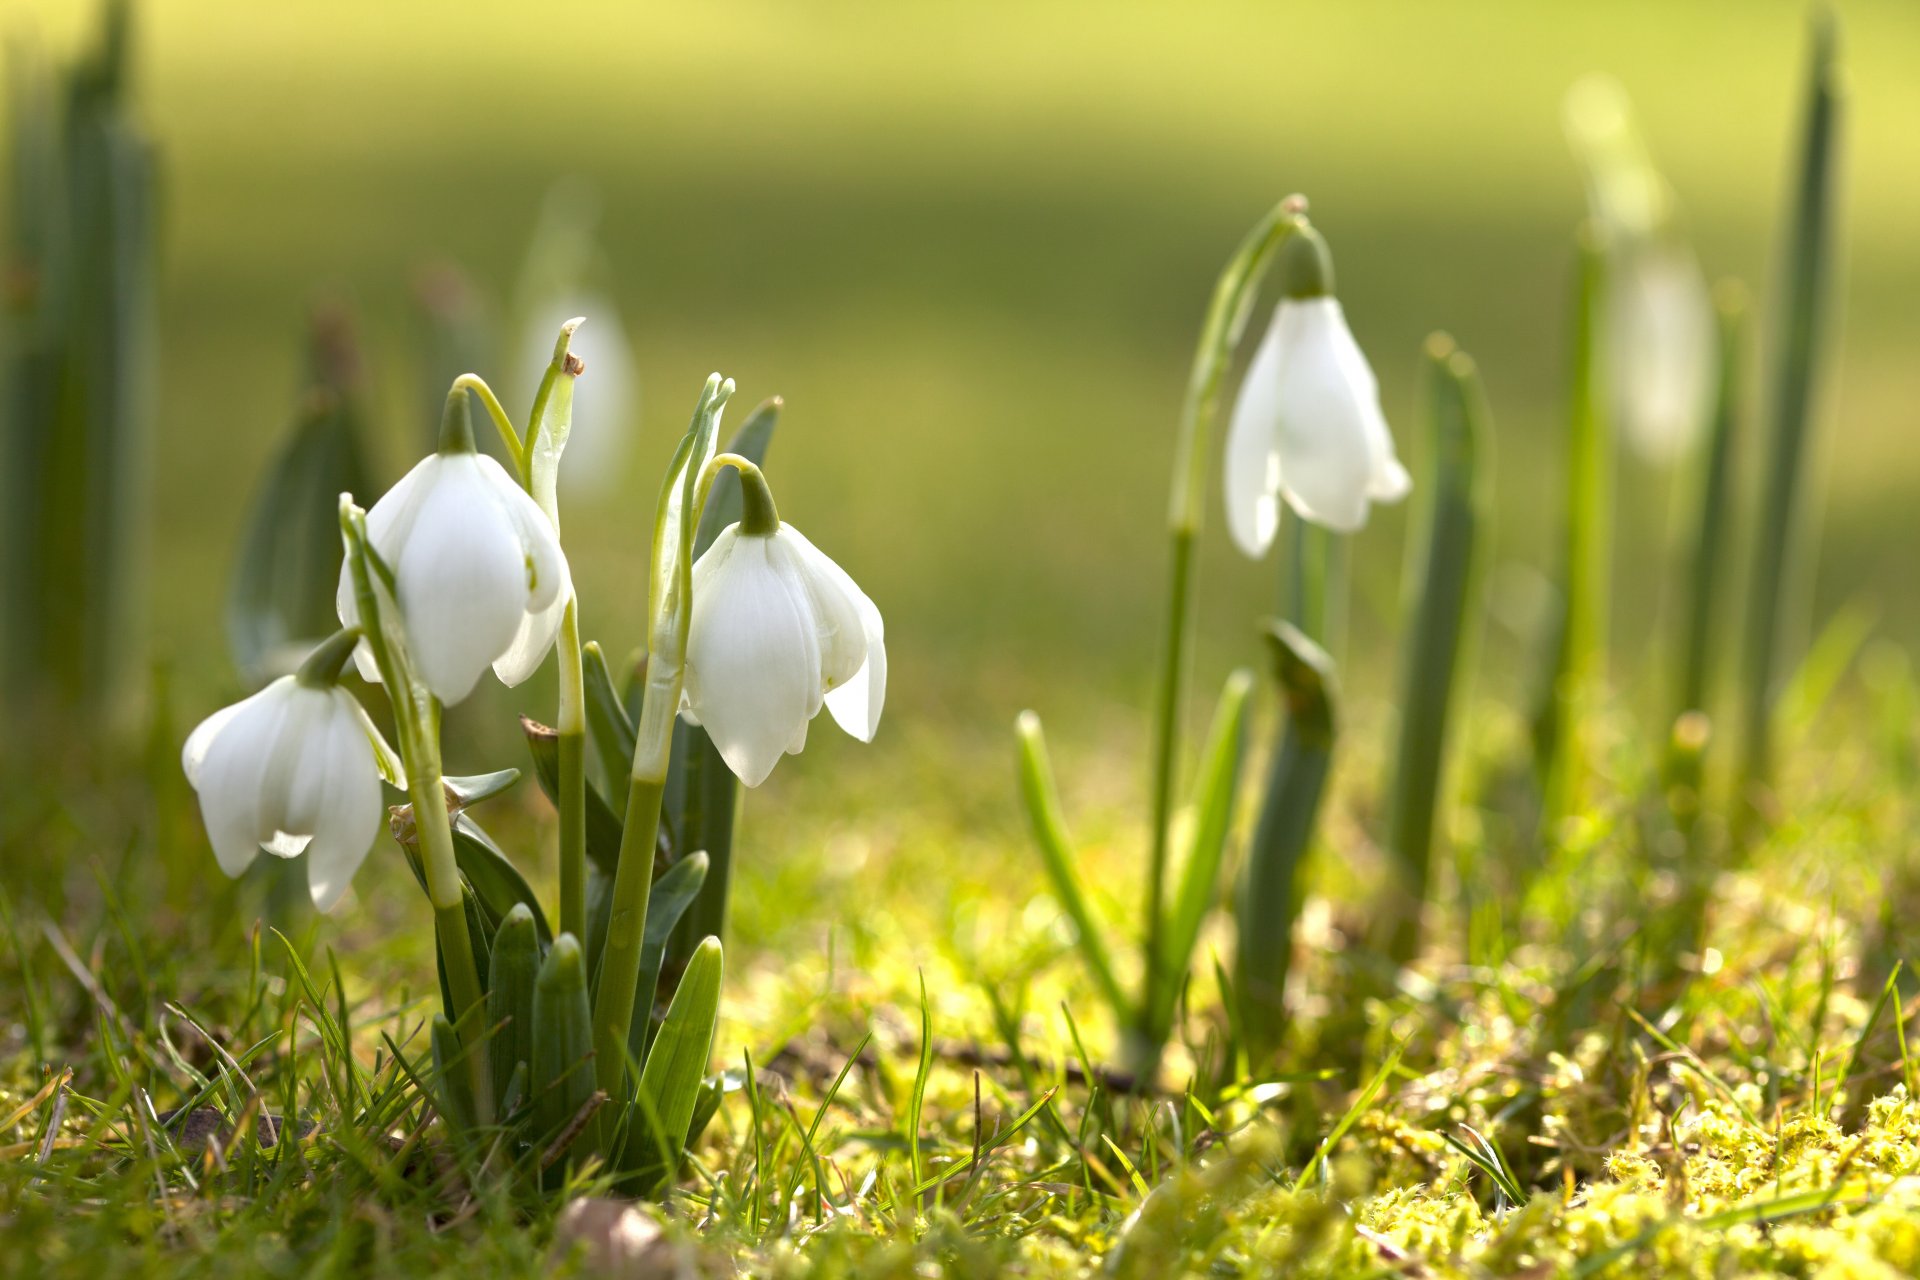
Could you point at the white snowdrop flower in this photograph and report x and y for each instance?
(295, 768)
(1662, 347)
(778, 629)
(1307, 426)
(478, 571)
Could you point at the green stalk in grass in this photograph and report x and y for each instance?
(1269, 901)
(1578, 652)
(1797, 348)
(1443, 571)
(1226, 320)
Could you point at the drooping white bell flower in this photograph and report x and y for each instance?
(1662, 347)
(477, 568)
(1308, 426)
(295, 768)
(778, 629)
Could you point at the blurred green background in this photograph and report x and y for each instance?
(971, 244)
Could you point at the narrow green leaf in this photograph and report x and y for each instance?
(562, 1076)
(1442, 579)
(1056, 855)
(675, 1067)
(607, 720)
(1270, 893)
(510, 988)
(1798, 346)
(1705, 596)
(1577, 638)
(450, 1079)
(1215, 790)
(494, 880)
(672, 894)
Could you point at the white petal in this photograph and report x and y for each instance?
(1252, 457)
(226, 760)
(550, 587)
(1326, 456)
(347, 820)
(753, 661)
(463, 578)
(856, 701)
(833, 600)
(388, 521)
(1387, 480)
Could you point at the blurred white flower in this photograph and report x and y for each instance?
(478, 571)
(1308, 427)
(295, 768)
(777, 629)
(1662, 347)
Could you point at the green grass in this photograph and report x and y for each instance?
(1580, 1099)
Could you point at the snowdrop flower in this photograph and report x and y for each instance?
(1662, 346)
(295, 768)
(1308, 426)
(778, 629)
(478, 571)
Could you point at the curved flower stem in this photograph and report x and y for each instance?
(509, 437)
(1226, 320)
(759, 518)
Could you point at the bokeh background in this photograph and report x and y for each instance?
(970, 244)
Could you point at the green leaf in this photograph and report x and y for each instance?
(675, 1068)
(494, 880)
(1441, 584)
(1215, 789)
(280, 601)
(450, 1078)
(510, 988)
(471, 790)
(672, 893)
(607, 720)
(1270, 894)
(724, 498)
(603, 823)
(1779, 552)
(1056, 855)
(562, 1077)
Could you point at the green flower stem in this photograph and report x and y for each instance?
(416, 724)
(759, 518)
(1226, 320)
(573, 777)
(509, 437)
(626, 929)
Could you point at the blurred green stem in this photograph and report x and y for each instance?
(1226, 320)
(1579, 651)
(1797, 343)
(573, 777)
(1442, 572)
(1694, 681)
